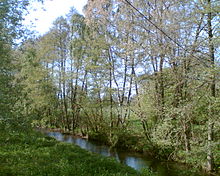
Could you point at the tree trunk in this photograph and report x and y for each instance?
(210, 159)
(186, 129)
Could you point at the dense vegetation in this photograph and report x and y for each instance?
(30, 153)
(23, 151)
(142, 75)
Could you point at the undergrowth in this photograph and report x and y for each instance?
(32, 153)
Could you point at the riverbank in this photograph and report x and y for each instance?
(31, 153)
(128, 144)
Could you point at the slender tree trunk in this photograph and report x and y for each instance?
(110, 92)
(210, 159)
(186, 130)
(132, 76)
(161, 87)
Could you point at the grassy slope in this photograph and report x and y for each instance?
(34, 154)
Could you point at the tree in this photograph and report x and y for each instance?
(38, 92)
(132, 69)
(210, 159)
(10, 29)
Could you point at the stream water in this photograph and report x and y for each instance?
(134, 160)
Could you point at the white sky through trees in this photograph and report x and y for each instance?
(41, 16)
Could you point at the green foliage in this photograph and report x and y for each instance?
(38, 91)
(85, 78)
(11, 13)
(148, 172)
(30, 153)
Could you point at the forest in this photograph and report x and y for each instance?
(140, 75)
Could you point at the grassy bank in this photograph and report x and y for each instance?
(31, 153)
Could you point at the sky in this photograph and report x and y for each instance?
(41, 16)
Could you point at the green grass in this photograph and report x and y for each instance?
(31, 153)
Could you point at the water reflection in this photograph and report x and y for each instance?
(137, 163)
(134, 160)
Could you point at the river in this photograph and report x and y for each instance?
(135, 160)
